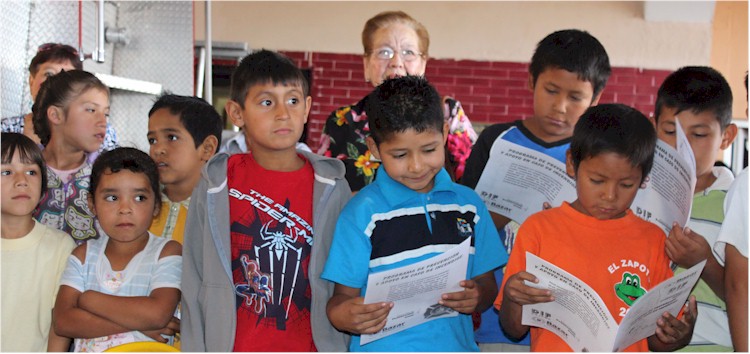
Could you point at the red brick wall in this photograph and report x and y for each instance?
(490, 91)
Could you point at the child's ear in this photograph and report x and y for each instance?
(530, 84)
(92, 206)
(208, 147)
(373, 147)
(727, 137)
(157, 209)
(595, 100)
(569, 168)
(308, 105)
(234, 112)
(445, 132)
(55, 115)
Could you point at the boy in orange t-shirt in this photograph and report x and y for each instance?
(597, 238)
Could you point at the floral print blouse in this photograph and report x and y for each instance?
(346, 128)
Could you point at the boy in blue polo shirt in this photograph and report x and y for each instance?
(413, 211)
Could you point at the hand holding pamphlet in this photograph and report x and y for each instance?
(580, 317)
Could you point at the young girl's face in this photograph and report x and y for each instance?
(85, 121)
(21, 187)
(124, 204)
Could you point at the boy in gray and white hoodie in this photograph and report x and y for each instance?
(251, 260)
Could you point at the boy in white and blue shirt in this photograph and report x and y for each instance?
(412, 212)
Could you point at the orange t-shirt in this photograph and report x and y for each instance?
(602, 253)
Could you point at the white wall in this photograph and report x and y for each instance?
(505, 31)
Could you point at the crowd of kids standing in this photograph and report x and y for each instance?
(268, 247)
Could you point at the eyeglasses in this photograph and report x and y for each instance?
(54, 46)
(386, 53)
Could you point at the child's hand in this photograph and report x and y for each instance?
(518, 292)
(347, 311)
(365, 318)
(685, 247)
(672, 333)
(172, 329)
(464, 301)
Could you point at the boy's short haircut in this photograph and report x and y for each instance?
(59, 90)
(127, 158)
(264, 66)
(28, 152)
(55, 52)
(575, 51)
(696, 89)
(198, 117)
(407, 102)
(614, 128)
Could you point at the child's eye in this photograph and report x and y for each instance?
(151, 141)
(31, 173)
(110, 198)
(106, 115)
(596, 181)
(627, 185)
(293, 101)
(140, 198)
(575, 98)
(430, 150)
(5, 173)
(399, 156)
(550, 91)
(266, 103)
(700, 135)
(171, 137)
(669, 132)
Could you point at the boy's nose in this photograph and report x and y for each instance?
(125, 207)
(609, 193)
(559, 104)
(282, 111)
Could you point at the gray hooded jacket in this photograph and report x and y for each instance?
(209, 315)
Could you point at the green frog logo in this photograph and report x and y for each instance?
(629, 289)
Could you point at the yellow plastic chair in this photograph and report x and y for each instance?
(143, 347)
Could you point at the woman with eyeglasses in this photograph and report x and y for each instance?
(395, 45)
(50, 59)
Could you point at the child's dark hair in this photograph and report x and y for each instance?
(198, 117)
(55, 52)
(614, 128)
(575, 51)
(28, 152)
(128, 158)
(407, 102)
(696, 89)
(59, 90)
(261, 67)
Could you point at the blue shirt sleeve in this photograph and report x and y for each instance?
(349, 258)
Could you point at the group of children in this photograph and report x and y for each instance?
(268, 250)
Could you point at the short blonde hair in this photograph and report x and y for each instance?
(387, 18)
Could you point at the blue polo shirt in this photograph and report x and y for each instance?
(387, 225)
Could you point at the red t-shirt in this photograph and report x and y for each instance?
(271, 229)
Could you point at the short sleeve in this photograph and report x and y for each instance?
(168, 273)
(348, 261)
(73, 276)
(734, 228)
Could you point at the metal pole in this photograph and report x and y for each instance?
(99, 52)
(209, 56)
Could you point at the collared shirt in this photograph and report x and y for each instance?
(170, 223)
(388, 225)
